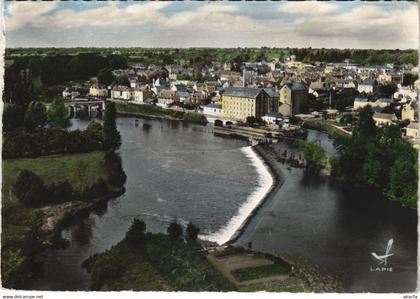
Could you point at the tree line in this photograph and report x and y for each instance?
(380, 158)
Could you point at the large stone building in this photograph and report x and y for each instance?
(240, 102)
(293, 99)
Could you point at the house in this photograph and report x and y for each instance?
(70, 93)
(142, 94)
(293, 99)
(98, 90)
(366, 86)
(412, 130)
(240, 102)
(122, 93)
(383, 119)
(360, 103)
(166, 97)
(213, 109)
(272, 118)
(409, 111)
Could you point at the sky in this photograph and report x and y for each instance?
(379, 25)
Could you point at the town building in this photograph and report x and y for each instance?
(409, 111)
(366, 86)
(142, 94)
(98, 90)
(383, 119)
(213, 110)
(412, 130)
(240, 102)
(293, 99)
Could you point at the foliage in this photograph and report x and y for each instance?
(174, 231)
(105, 76)
(112, 138)
(94, 133)
(387, 90)
(58, 114)
(35, 115)
(314, 155)
(13, 116)
(409, 79)
(344, 99)
(380, 158)
(121, 80)
(41, 141)
(114, 170)
(117, 62)
(160, 264)
(29, 188)
(136, 233)
(192, 232)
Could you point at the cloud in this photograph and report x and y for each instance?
(311, 8)
(19, 14)
(216, 24)
(106, 16)
(210, 17)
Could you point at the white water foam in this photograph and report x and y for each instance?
(265, 181)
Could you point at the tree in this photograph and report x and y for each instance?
(105, 76)
(117, 62)
(29, 188)
(387, 90)
(35, 116)
(115, 172)
(79, 174)
(13, 116)
(136, 233)
(314, 155)
(112, 138)
(192, 232)
(409, 79)
(365, 128)
(58, 114)
(121, 80)
(94, 133)
(174, 231)
(404, 182)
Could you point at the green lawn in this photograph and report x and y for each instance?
(20, 223)
(278, 268)
(159, 265)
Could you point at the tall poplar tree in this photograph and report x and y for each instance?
(112, 138)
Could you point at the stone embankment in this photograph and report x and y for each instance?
(318, 280)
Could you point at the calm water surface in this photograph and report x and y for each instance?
(337, 226)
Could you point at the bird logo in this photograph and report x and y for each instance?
(383, 259)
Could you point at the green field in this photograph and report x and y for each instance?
(20, 224)
(279, 267)
(159, 264)
(154, 111)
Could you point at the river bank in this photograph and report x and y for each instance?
(310, 223)
(28, 230)
(154, 112)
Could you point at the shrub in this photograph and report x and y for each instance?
(136, 232)
(174, 231)
(192, 232)
(29, 188)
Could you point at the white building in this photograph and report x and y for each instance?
(213, 109)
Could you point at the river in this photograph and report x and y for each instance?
(181, 171)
